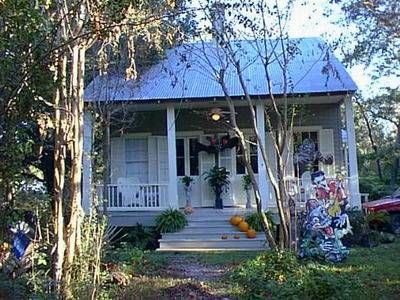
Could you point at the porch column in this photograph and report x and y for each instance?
(87, 162)
(355, 199)
(172, 177)
(262, 171)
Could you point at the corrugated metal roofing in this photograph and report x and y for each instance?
(190, 72)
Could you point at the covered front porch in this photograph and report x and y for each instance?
(149, 159)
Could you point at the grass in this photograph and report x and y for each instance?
(376, 272)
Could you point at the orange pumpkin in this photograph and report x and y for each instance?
(251, 233)
(236, 236)
(243, 226)
(235, 220)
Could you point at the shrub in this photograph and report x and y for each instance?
(139, 236)
(255, 221)
(170, 220)
(279, 275)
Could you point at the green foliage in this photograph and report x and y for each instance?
(378, 220)
(187, 180)
(217, 178)
(139, 236)
(375, 188)
(255, 220)
(246, 182)
(171, 220)
(279, 275)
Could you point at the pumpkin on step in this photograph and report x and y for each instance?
(251, 233)
(236, 236)
(235, 220)
(243, 226)
(224, 236)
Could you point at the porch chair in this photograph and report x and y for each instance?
(129, 192)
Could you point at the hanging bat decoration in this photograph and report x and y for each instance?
(215, 146)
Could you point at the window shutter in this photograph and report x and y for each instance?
(327, 147)
(162, 158)
(118, 168)
(153, 164)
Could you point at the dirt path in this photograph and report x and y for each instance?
(185, 266)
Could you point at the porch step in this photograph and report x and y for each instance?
(205, 235)
(240, 244)
(204, 231)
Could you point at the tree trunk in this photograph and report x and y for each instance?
(106, 158)
(61, 129)
(76, 147)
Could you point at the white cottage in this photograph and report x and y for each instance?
(170, 107)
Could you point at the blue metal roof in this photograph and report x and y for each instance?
(190, 72)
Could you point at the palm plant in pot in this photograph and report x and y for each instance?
(218, 179)
(246, 183)
(187, 185)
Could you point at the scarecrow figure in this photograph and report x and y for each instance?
(326, 221)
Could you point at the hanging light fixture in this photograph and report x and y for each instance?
(216, 114)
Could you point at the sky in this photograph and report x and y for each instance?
(308, 20)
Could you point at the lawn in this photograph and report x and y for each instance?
(367, 273)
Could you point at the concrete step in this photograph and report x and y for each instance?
(209, 249)
(210, 229)
(205, 235)
(208, 223)
(257, 243)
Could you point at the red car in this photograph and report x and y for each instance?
(391, 204)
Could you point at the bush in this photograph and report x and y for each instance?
(139, 236)
(279, 275)
(255, 221)
(170, 220)
(374, 187)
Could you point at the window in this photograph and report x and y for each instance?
(193, 157)
(187, 158)
(298, 139)
(240, 165)
(136, 157)
(180, 157)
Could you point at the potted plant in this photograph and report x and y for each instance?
(187, 185)
(246, 183)
(218, 179)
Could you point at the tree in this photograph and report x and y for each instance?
(377, 38)
(25, 85)
(262, 25)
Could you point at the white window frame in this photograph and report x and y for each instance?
(137, 136)
(186, 136)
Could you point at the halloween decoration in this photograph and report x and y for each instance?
(235, 220)
(326, 221)
(243, 226)
(15, 259)
(217, 145)
(307, 154)
(224, 237)
(251, 234)
(236, 236)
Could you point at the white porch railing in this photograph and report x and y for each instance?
(301, 190)
(134, 196)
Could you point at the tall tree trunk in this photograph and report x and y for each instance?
(76, 145)
(61, 129)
